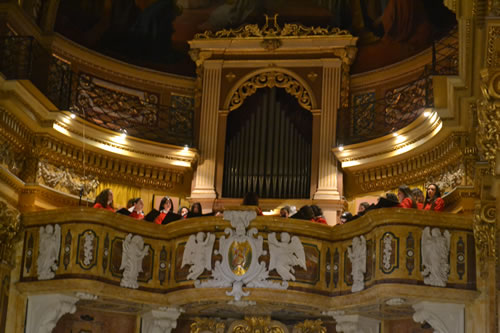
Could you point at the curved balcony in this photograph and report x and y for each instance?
(270, 270)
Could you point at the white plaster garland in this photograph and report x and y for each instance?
(357, 255)
(435, 249)
(88, 248)
(133, 252)
(48, 251)
(240, 254)
(86, 296)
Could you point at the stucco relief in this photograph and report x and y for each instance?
(48, 251)
(66, 180)
(240, 265)
(435, 252)
(133, 253)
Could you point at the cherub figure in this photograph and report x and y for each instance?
(357, 255)
(48, 251)
(435, 251)
(198, 254)
(133, 252)
(285, 255)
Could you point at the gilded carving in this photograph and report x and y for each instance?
(431, 162)
(66, 180)
(488, 115)
(484, 227)
(448, 180)
(230, 77)
(203, 325)
(271, 44)
(492, 49)
(309, 326)
(12, 161)
(257, 325)
(270, 30)
(271, 79)
(346, 55)
(10, 229)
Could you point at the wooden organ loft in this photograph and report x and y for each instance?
(272, 109)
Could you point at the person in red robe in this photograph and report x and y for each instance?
(433, 199)
(105, 200)
(405, 197)
(136, 211)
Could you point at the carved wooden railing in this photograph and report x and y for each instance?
(95, 253)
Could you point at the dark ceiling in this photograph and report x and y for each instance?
(154, 33)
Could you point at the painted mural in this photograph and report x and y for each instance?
(154, 33)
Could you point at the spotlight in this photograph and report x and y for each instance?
(427, 114)
(72, 116)
(394, 134)
(341, 147)
(186, 147)
(124, 133)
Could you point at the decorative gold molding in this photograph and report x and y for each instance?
(272, 30)
(10, 230)
(273, 77)
(309, 326)
(203, 325)
(488, 116)
(492, 51)
(413, 169)
(68, 155)
(485, 234)
(257, 325)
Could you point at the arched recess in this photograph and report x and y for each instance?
(270, 77)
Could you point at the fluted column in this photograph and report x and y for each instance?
(204, 180)
(330, 101)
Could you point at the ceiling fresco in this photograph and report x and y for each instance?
(154, 33)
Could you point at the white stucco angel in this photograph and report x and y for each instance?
(285, 255)
(198, 254)
(435, 250)
(48, 251)
(357, 255)
(133, 252)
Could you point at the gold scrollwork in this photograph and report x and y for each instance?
(271, 30)
(271, 79)
(10, 229)
(484, 233)
(257, 325)
(207, 325)
(488, 116)
(310, 326)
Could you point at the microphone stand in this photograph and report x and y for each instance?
(81, 194)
